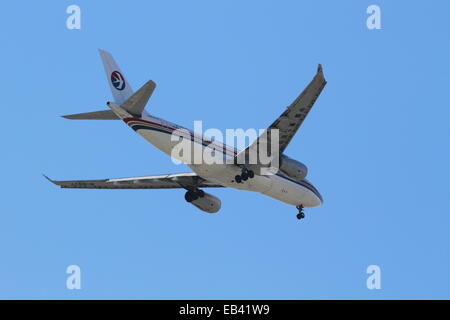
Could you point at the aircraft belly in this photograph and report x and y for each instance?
(292, 193)
(224, 175)
(160, 140)
(272, 186)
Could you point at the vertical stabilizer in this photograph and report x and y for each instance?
(119, 85)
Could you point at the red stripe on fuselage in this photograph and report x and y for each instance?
(223, 146)
(126, 120)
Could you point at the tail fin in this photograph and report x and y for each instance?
(134, 106)
(120, 87)
(125, 101)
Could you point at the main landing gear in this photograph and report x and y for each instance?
(192, 195)
(301, 214)
(244, 176)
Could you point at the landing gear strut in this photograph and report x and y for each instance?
(244, 176)
(192, 195)
(301, 214)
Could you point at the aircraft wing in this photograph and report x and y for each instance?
(291, 119)
(165, 181)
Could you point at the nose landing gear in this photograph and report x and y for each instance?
(301, 214)
(244, 176)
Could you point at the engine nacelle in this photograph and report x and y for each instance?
(293, 168)
(207, 202)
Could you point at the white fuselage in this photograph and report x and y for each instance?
(278, 186)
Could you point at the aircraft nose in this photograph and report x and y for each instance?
(319, 200)
(315, 197)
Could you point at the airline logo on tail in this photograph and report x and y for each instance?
(117, 80)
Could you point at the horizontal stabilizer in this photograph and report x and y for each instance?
(137, 102)
(96, 115)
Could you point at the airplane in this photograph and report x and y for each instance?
(288, 184)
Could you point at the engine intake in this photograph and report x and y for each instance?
(293, 168)
(203, 200)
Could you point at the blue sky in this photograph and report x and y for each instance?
(376, 144)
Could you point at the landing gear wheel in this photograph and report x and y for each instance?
(301, 214)
(251, 174)
(244, 176)
(238, 179)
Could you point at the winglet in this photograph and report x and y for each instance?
(49, 179)
(319, 68)
(320, 73)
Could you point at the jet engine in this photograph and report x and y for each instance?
(204, 201)
(293, 168)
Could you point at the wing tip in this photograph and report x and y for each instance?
(72, 116)
(319, 68)
(103, 52)
(52, 181)
(320, 73)
(46, 177)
